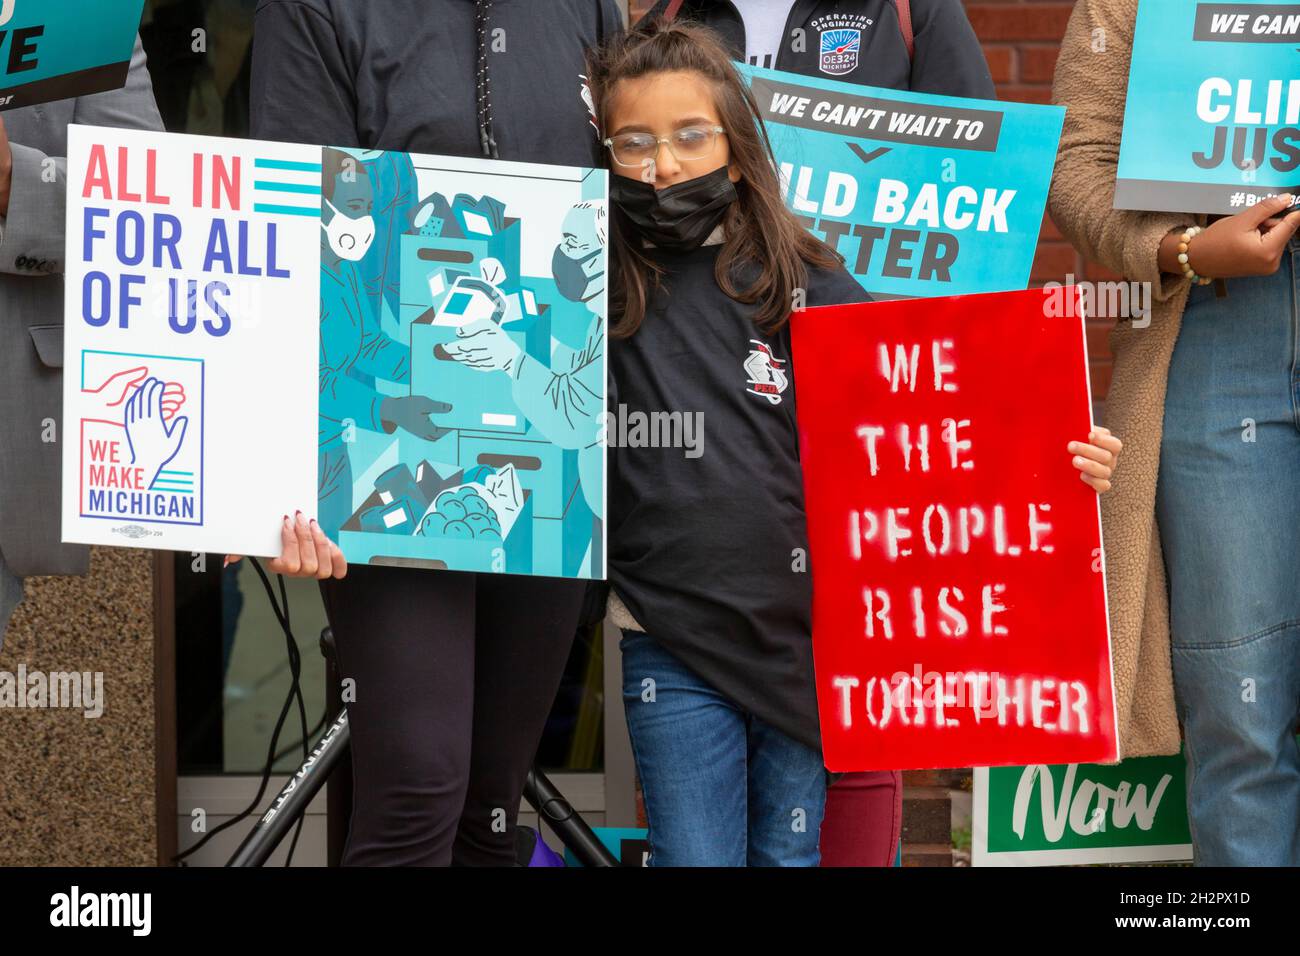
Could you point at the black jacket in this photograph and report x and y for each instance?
(948, 58)
(404, 75)
(704, 550)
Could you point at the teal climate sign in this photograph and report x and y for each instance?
(1212, 122)
(54, 51)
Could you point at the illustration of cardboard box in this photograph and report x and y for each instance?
(481, 401)
(399, 545)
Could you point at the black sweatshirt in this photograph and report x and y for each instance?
(403, 75)
(704, 549)
(948, 58)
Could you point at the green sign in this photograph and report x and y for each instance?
(1131, 812)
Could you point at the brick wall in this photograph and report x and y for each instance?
(1021, 39)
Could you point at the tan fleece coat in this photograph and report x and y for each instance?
(1091, 82)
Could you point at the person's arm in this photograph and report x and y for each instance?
(1093, 87)
(343, 397)
(33, 194)
(382, 356)
(302, 91)
(948, 58)
(397, 197)
(565, 401)
(1141, 246)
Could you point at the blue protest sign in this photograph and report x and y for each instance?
(923, 195)
(1212, 122)
(72, 48)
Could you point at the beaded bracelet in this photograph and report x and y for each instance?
(1184, 243)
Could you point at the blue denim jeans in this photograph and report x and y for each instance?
(1228, 506)
(721, 788)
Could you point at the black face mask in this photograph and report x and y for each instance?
(680, 217)
(571, 278)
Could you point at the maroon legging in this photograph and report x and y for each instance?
(864, 817)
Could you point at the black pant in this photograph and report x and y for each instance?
(454, 675)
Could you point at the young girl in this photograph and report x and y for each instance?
(717, 648)
(926, 46)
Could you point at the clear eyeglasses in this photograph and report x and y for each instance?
(638, 149)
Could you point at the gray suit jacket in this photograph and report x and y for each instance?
(31, 318)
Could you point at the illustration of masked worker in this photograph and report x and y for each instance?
(564, 401)
(354, 350)
(392, 176)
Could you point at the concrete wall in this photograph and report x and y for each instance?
(78, 791)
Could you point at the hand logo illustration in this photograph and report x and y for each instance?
(154, 434)
(117, 390)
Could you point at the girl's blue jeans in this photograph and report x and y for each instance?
(721, 788)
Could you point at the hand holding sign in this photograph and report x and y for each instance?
(1210, 118)
(1240, 245)
(1096, 458)
(305, 552)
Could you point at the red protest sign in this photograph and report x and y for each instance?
(959, 612)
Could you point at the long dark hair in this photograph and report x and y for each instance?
(763, 240)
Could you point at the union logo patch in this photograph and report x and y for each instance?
(839, 51)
